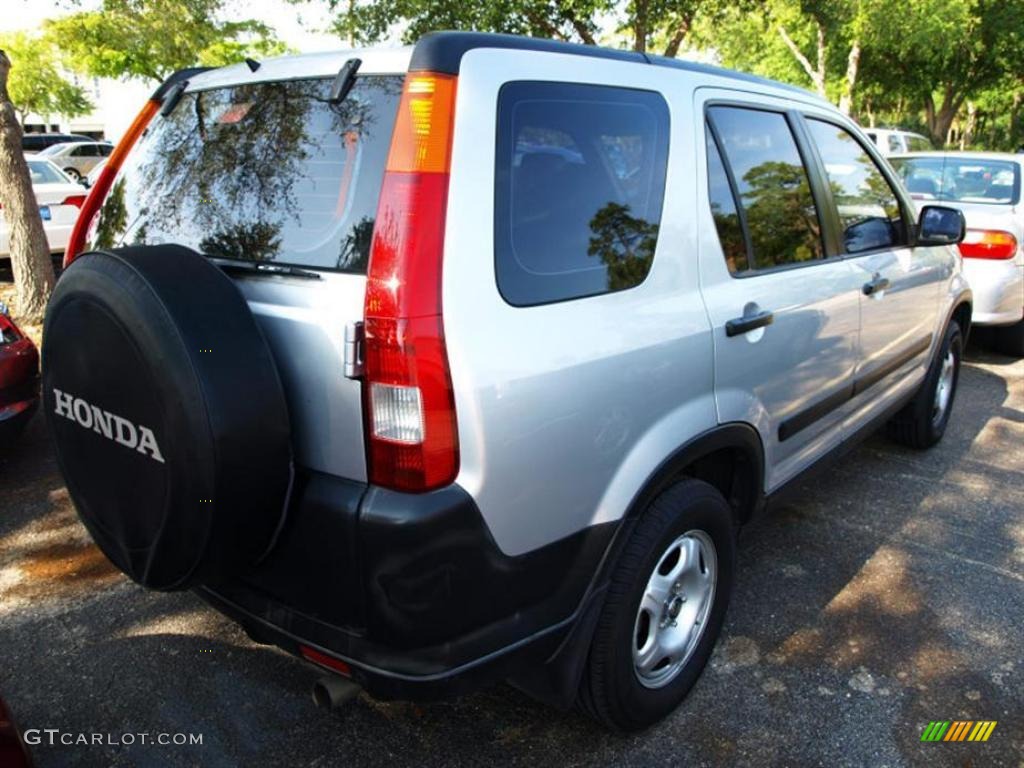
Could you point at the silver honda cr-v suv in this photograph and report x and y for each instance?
(467, 361)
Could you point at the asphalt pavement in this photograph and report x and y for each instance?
(887, 593)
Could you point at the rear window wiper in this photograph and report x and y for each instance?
(262, 268)
(344, 81)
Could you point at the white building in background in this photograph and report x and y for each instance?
(115, 104)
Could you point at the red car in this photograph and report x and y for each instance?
(13, 752)
(19, 378)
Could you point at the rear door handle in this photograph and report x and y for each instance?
(875, 285)
(741, 325)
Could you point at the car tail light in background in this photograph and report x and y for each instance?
(988, 244)
(76, 200)
(412, 442)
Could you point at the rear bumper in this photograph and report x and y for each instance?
(410, 590)
(998, 289)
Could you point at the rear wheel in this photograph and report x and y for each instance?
(665, 607)
(922, 423)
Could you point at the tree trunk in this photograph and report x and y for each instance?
(640, 26)
(852, 66)
(940, 120)
(817, 74)
(672, 49)
(30, 253)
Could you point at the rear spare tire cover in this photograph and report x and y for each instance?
(169, 419)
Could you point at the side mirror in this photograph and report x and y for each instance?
(940, 225)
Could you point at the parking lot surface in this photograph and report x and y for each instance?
(885, 594)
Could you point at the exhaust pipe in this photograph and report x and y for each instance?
(333, 691)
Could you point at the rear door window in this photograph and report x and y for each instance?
(772, 187)
(260, 172)
(579, 186)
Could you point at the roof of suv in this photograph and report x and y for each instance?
(443, 52)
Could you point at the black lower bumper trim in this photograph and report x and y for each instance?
(410, 590)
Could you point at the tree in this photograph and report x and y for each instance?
(37, 84)
(150, 39)
(30, 254)
(657, 26)
(943, 52)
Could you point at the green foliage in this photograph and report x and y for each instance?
(36, 83)
(150, 39)
(660, 26)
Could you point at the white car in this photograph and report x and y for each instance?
(891, 141)
(77, 158)
(986, 186)
(59, 200)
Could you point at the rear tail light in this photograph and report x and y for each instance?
(82, 232)
(76, 200)
(988, 244)
(412, 441)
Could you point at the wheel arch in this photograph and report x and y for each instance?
(735, 446)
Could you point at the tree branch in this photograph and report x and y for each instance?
(672, 49)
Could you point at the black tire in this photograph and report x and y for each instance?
(1009, 340)
(918, 425)
(167, 413)
(611, 691)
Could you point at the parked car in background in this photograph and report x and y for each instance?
(78, 158)
(59, 199)
(36, 142)
(95, 173)
(987, 188)
(892, 141)
(19, 378)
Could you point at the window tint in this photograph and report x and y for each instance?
(773, 186)
(579, 184)
(724, 211)
(869, 212)
(260, 172)
(83, 151)
(106, 149)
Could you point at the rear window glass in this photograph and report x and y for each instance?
(44, 173)
(262, 172)
(580, 180)
(961, 179)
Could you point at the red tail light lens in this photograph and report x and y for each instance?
(412, 440)
(76, 200)
(988, 244)
(80, 233)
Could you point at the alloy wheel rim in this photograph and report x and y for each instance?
(944, 388)
(674, 608)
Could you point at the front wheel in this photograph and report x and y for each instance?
(665, 607)
(922, 423)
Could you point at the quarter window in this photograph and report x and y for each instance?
(772, 185)
(579, 186)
